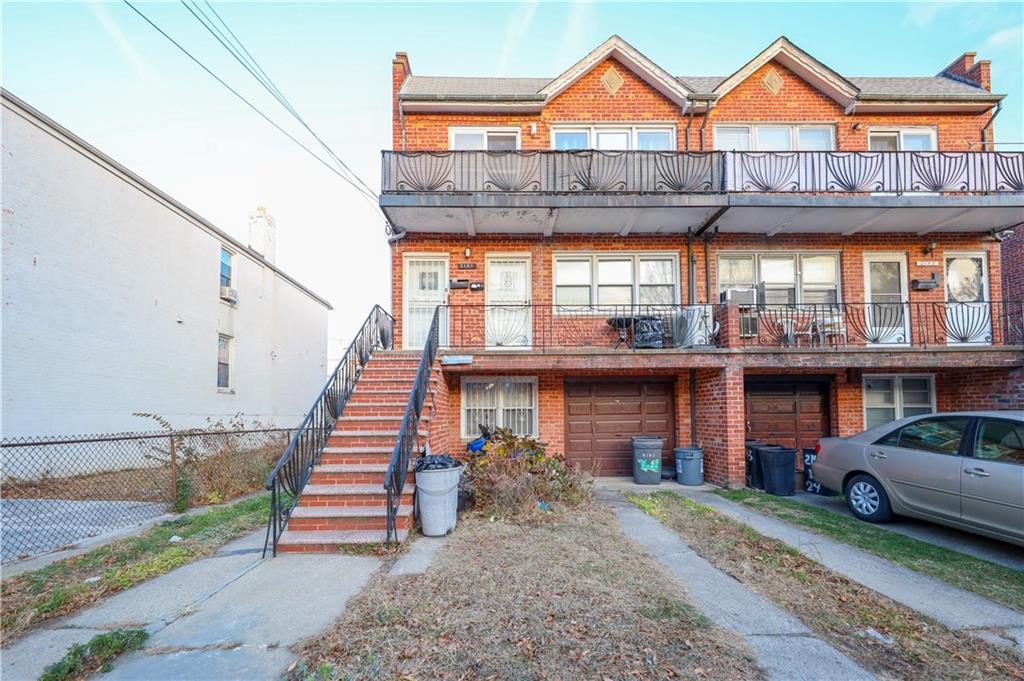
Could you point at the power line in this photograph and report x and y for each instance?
(242, 98)
(242, 55)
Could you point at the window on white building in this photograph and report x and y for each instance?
(774, 138)
(499, 402)
(887, 398)
(224, 351)
(614, 138)
(616, 279)
(483, 139)
(225, 268)
(781, 278)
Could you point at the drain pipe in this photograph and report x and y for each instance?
(689, 124)
(985, 128)
(703, 124)
(691, 272)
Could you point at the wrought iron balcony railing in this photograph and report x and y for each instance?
(821, 327)
(901, 172)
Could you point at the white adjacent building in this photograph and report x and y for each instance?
(118, 299)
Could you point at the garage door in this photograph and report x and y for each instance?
(602, 416)
(791, 414)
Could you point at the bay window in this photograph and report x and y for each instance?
(499, 402)
(616, 279)
(781, 278)
(614, 138)
(774, 138)
(891, 397)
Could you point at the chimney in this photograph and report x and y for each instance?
(961, 65)
(400, 71)
(981, 73)
(261, 233)
(966, 69)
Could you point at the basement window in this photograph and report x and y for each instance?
(499, 402)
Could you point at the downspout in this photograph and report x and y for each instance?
(689, 124)
(401, 122)
(703, 123)
(985, 128)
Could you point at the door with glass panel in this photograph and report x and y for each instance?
(968, 314)
(426, 287)
(885, 318)
(508, 319)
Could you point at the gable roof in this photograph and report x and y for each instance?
(630, 57)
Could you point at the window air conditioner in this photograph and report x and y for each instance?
(229, 294)
(739, 296)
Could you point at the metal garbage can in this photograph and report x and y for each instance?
(689, 465)
(754, 479)
(647, 460)
(778, 467)
(437, 498)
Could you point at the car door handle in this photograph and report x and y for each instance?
(977, 472)
(878, 455)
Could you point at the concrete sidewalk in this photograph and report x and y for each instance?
(785, 649)
(228, 616)
(953, 607)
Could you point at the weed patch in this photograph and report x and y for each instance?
(94, 656)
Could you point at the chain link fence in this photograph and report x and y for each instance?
(57, 491)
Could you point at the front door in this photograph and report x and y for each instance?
(885, 311)
(426, 287)
(921, 462)
(992, 484)
(508, 318)
(968, 317)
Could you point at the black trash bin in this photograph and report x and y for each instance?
(754, 479)
(778, 467)
(647, 460)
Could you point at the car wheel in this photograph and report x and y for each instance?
(867, 499)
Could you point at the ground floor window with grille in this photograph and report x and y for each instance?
(499, 402)
(224, 348)
(887, 398)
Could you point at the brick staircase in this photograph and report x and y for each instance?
(344, 502)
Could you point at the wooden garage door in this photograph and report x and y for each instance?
(602, 416)
(791, 414)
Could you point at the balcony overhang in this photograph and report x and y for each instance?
(665, 213)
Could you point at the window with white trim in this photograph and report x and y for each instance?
(774, 138)
(781, 278)
(224, 350)
(225, 268)
(616, 279)
(891, 397)
(614, 138)
(499, 402)
(902, 139)
(463, 138)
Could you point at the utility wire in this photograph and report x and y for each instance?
(242, 55)
(239, 96)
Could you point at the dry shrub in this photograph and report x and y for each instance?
(513, 475)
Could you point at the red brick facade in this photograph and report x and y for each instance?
(719, 409)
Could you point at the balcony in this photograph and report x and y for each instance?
(593, 333)
(680, 191)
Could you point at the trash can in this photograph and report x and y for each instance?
(689, 465)
(647, 460)
(754, 479)
(811, 484)
(778, 468)
(437, 498)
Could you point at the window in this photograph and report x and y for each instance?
(887, 398)
(499, 402)
(1001, 441)
(774, 138)
(938, 435)
(781, 278)
(225, 268)
(483, 139)
(616, 279)
(902, 139)
(224, 348)
(614, 138)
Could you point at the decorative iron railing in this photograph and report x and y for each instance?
(547, 327)
(288, 478)
(409, 432)
(590, 171)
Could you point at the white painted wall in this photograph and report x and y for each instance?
(111, 304)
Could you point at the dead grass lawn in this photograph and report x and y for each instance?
(568, 598)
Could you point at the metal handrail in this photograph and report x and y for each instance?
(408, 434)
(293, 470)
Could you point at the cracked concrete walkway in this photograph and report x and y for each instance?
(228, 616)
(955, 608)
(784, 647)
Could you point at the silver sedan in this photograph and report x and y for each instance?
(963, 469)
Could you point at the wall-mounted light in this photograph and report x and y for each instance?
(533, 128)
(468, 252)
(930, 248)
(855, 126)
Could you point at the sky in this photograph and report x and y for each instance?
(101, 71)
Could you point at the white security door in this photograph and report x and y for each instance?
(968, 316)
(508, 318)
(885, 315)
(426, 287)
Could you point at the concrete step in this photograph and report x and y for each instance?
(331, 541)
(314, 519)
(349, 474)
(316, 495)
